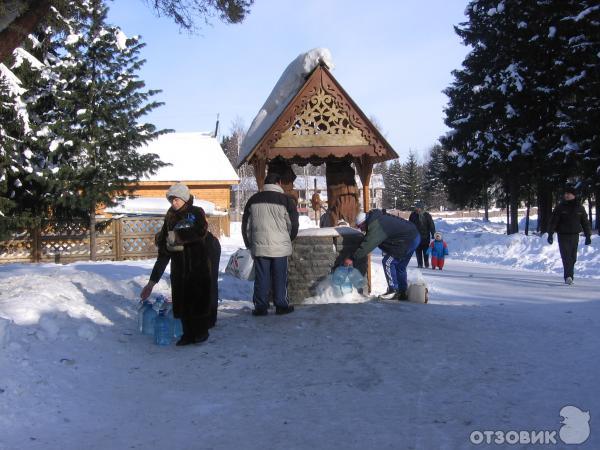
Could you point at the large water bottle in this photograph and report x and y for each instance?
(141, 310)
(341, 279)
(356, 278)
(175, 324)
(160, 302)
(148, 318)
(163, 332)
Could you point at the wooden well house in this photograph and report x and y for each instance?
(321, 124)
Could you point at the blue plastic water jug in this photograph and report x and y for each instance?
(148, 316)
(356, 278)
(162, 329)
(341, 279)
(176, 324)
(140, 314)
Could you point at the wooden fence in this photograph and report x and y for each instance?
(117, 239)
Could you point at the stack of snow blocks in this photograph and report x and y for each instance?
(317, 252)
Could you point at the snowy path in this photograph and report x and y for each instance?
(496, 349)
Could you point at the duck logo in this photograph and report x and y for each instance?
(576, 427)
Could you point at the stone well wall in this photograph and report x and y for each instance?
(317, 252)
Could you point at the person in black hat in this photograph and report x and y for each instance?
(568, 220)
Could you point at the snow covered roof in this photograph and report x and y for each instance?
(153, 206)
(288, 85)
(302, 182)
(193, 157)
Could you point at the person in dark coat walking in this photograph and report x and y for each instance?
(397, 238)
(568, 220)
(424, 223)
(184, 241)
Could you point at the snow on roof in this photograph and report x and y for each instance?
(302, 182)
(153, 206)
(193, 157)
(289, 84)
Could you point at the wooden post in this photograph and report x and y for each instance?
(93, 233)
(260, 172)
(117, 232)
(365, 168)
(36, 244)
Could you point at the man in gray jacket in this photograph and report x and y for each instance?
(269, 224)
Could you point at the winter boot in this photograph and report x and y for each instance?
(569, 281)
(279, 310)
(201, 338)
(259, 312)
(185, 339)
(401, 296)
(389, 295)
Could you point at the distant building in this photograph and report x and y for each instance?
(195, 159)
(305, 186)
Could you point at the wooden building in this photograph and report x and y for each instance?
(195, 159)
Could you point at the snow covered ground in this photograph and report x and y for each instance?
(497, 348)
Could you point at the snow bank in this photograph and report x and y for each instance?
(327, 231)
(4, 332)
(289, 84)
(486, 242)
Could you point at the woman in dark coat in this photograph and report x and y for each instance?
(184, 240)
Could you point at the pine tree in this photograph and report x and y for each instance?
(23, 153)
(95, 128)
(11, 138)
(391, 179)
(411, 182)
(434, 192)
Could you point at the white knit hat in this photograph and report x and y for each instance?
(179, 190)
(360, 218)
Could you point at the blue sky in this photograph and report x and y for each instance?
(393, 57)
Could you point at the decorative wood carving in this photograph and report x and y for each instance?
(321, 123)
(296, 134)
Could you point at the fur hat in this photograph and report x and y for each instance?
(419, 204)
(570, 189)
(179, 190)
(438, 233)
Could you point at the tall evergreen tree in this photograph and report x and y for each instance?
(411, 182)
(391, 179)
(95, 126)
(434, 188)
(513, 114)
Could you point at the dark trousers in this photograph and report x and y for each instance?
(395, 268)
(421, 252)
(195, 326)
(567, 244)
(270, 273)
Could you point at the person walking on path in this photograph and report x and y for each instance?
(568, 220)
(269, 225)
(424, 223)
(397, 238)
(184, 241)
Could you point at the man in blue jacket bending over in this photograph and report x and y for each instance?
(397, 238)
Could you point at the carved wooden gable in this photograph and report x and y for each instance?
(322, 121)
